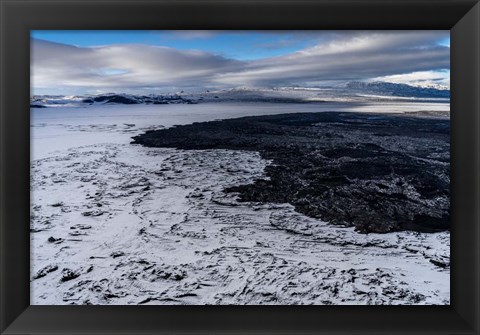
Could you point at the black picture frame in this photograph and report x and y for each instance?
(18, 17)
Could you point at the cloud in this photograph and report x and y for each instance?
(349, 57)
(125, 67)
(192, 34)
(337, 56)
(422, 78)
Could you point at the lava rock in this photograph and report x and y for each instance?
(116, 254)
(68, 274)
(376, 172)
(44, 271)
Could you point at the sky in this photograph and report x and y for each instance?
(92, 62)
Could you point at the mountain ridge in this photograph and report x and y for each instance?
(354, 91)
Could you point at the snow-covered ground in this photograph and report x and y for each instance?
(115, 223)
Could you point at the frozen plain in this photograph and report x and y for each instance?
(115, 223)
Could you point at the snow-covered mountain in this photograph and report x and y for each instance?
(352, 91)
(397, 90)
(109, 98)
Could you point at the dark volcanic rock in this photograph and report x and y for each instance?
(68, 274)
(118, 99)
(46, 270)
(379, 173)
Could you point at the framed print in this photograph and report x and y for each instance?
(303, 163)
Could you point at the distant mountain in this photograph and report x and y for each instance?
(353, 91)
(127, 99)
(109, 98)
(397, 90)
